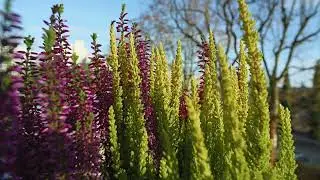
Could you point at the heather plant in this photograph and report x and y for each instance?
(236, 165)
(30, 129)
(100, 78)
(199, 162)
(286, 165)
(118, 172)
(9, 96)
(87, 134)
(56, 133)
(211, 112)
(243, 88)
(176, 86)
(257, 126)
(135, 121)
(128, 115)
(168, 163)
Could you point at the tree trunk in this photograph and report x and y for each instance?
(274, 104)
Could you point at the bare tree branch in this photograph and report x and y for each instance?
(284, 26)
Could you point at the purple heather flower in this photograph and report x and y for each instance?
(9, 95)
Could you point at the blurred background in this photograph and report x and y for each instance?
(289, 39)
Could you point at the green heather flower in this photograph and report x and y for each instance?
(168, 164)
(119, 173)
(286, 165)
(243, 88)
(116, 88)
(211, 113)
(257, 126)
(135, 122)
(176, 87)
(236, 165)
(200, 166)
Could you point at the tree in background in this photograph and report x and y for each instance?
(283, 26)
(286, 90)
(316, 103)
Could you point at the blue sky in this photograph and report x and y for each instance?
(84, 17)
(88, 16)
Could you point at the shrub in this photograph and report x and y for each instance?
(126, 114)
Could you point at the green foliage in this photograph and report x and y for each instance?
(49, 38)
(58, 8)
(243, 88)
(94, 36)
(185, 151)
(28, 41)
(74, 57)
(200, 166)
(225, 135)
(135, 123)
(286, 165)
(116, 87)
(168, 164)
(176, 86)
(257, 126)
(28, 64)
(236, 165)
(211, 113)
(165, 69)
(123, 72)
(114, 147)
(7, 5)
